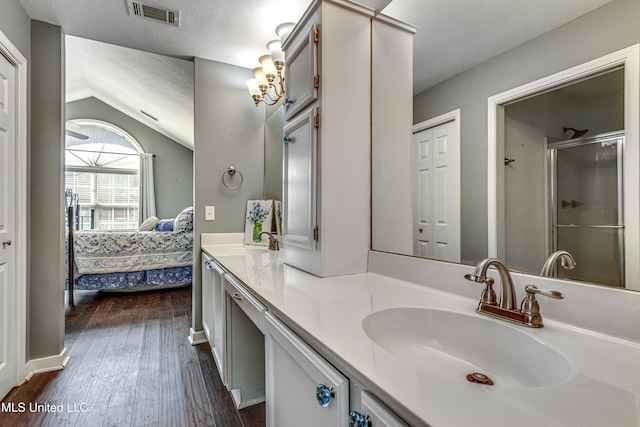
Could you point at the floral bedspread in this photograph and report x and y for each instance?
(97, 252)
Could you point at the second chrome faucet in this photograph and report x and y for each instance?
(505, 308)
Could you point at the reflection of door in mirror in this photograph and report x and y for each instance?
(436, 199)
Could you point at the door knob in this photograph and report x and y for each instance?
(6, 243)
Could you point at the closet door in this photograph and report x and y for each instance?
(302, 79)
(300, 173)
(302, 388)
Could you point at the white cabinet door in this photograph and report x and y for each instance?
(300, 172)
(302, 80)
(303, 389)
(374, 414)
(218, 319)
(207, 297)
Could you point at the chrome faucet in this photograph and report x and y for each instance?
(506, 309)
(274, 245)
(566, 260)
(507, 292)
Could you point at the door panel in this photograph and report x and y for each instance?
(437, 197)
(7, 221)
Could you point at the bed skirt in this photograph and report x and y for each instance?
(162, 277)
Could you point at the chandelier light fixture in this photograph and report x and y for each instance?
(267, 85)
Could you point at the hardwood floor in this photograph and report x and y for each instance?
(131, 365)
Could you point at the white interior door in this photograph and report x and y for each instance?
(437, 192)
(7, 222)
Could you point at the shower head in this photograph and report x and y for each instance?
(576, 133)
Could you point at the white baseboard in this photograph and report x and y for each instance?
(197, 337)
(47, 364)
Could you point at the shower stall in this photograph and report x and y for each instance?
(586, 206)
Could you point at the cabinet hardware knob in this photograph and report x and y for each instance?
(207, 266)
(237, 296)
(324, 395)
(6, 243)
(287, 139)
(356, 419)
(287, 102)
(420, 230)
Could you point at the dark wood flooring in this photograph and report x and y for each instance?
(131, 365)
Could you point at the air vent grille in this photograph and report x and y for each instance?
(158, 14)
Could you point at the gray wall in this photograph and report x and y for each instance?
(229, 130)
(608, 29)
(173, 165)
(46, 262)
(15, 23)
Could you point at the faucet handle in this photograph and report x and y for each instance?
(530, 307)
(488, 295)
(532, 290)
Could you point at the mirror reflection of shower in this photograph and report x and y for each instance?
(586, 206)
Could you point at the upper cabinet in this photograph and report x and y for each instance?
(333, 56)
(302, 80)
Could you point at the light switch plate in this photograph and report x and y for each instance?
(209, 213)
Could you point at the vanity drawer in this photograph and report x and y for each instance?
(249, 305)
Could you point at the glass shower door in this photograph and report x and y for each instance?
(586, 207)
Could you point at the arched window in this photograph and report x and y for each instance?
(102, 166)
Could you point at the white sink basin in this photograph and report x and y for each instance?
(458, 344)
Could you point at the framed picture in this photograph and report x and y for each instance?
(260, 217)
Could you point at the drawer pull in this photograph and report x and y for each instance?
(324, 395)
(356, 419)
(237, 296)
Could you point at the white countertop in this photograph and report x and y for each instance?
(604, 389)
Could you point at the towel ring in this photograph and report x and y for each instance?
(232, 171)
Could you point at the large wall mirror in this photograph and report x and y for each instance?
(562, 173)
(273, 150)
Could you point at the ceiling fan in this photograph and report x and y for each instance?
(75, 131)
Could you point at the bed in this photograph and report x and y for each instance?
(132, 259)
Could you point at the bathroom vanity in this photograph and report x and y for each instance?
(395, 345)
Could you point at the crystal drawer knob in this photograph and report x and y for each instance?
(356, 419)
(324, 395)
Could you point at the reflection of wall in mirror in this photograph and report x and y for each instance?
(577, 42)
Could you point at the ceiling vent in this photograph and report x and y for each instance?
(154, 13)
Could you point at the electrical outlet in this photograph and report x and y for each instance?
(209, 213)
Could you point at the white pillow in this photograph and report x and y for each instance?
(149, 224)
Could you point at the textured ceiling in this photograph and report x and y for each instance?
(133, 81)
(452, 37)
